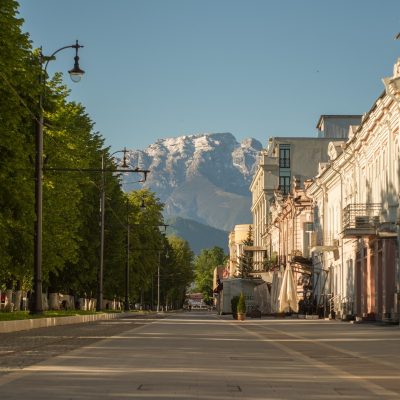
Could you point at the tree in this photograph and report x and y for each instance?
(147, 244)
(180, 275)
(71, 190)
(67, 128)
(204, 265)
(18, 92)
(241, 305)
(246, 260)
(80, 276)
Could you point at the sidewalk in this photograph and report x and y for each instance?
(25, 324)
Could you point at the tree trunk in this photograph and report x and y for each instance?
(9, 305)
(17, 300)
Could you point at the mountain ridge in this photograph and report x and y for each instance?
(202, 177)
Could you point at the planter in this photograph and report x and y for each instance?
(241, 316)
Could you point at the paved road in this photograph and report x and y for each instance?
(203, 356)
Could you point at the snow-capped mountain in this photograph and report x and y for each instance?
(203, 177)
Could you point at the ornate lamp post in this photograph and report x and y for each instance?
(76, 74)
(128, 226)
(99, 302)
(158, 268)
(126, 303)
(125, 168)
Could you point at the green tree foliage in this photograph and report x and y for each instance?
(204, 265)
(80, 276)
(72, 185)
(18, 95)
(180, 274)
(146, 243)
(70, 199)
(234, 304)
(67, 127)
(241, 305)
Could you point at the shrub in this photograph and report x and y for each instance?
(241, 305)
(234, 303)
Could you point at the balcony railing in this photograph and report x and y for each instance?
(361, 219)
(324, 239)
(270, 161)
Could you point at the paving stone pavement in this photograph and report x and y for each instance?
(203, 356)
(23, 348)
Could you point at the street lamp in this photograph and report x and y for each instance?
(142, 208)
(126, 304)
(76, 74)
(158, 270)
(126, 169)
(99, 302)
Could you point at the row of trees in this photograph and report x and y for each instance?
(209, 259)
(71, 232)
(204, 266)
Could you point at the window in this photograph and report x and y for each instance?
(308, 226)
(284, 184)
(284, 156)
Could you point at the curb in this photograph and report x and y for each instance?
(25, 324)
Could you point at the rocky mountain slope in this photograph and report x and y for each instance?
(203, 177)
(198, 236)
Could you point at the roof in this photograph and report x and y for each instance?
(323, 116)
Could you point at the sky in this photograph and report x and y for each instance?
(256, 68)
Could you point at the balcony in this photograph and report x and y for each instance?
(321, 242)
(271, 162)
(361, 219)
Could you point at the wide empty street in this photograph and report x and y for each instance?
(199, 355)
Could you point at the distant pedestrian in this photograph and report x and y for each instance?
(190, 307)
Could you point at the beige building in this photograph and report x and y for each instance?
(290, 225)
(356, 214)
(289, 233)
(285, 160)
(236, 238)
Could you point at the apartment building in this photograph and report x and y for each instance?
(284, 161)
(356, 214)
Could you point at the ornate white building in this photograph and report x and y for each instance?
(356, 214)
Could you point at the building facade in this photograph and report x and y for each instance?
(237, 237)
(283, 161)
(356, 214)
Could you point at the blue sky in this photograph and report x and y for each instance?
(255, 68)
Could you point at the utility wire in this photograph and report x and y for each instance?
(18, 95)
(55, 142)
